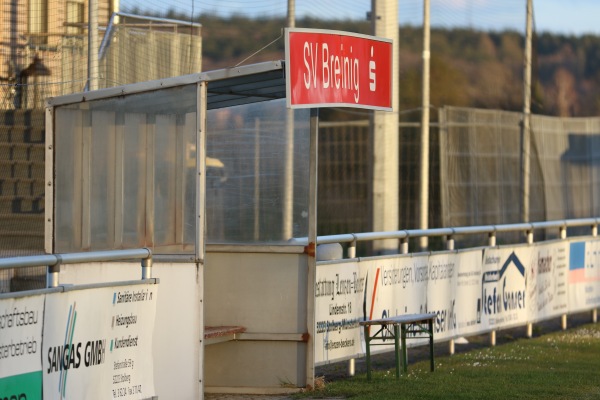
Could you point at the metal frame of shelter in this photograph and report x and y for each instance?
(70, 226)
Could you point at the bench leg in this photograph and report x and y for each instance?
(396, 349)
(368, 350)
(404, 354)
(430, 325)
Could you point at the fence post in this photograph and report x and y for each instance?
(52, 275)
(450, 246)
(404, 245)
(147, 267)
(352, 254)
(529, 328)
(595, 310)
(492, 243)
(563, 318)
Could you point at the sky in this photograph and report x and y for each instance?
(569, 17)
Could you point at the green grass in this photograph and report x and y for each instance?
(560, 365)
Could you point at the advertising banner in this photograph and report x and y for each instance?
(584, 274)
(332, 68)
(98, 343)
(441, 293)
(547, 294)
(471, 291)
(502, 301)
(468, 291)
(21, 322)
(339, 298)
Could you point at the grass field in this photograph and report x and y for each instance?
(557, 365)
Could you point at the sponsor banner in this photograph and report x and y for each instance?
(396, 286)
(502, 300)
(584, 274)
(441, 293)
(98, 343)
(332, 68)
(547, 294)
(339, 299)
(21, 322)
(468, 292)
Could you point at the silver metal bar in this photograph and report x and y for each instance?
(74, 258)
(490, 230)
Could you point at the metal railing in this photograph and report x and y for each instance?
(450, 233)
(54, 261)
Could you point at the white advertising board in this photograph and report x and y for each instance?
(547, 282)
(98, 343)
(468, 292)
(339, 299)
(502, 300)
(21, 321)
(584, 274)
(441, 293)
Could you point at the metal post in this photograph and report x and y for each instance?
(288, 184)
(368, 351)
(450, 246)
(147, 268)
(52, 276)
(352, 250)
(312, 241)
(529, 326)
(526, 126)
(352, 362)
(93, 45)
(492, 243)
(397, 350)
(595, 311)
(424, 158)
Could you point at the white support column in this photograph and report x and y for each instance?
(450, 246)
(563, 318)
(492, 243)
(351, 362)
(529, 327)
(385, 206)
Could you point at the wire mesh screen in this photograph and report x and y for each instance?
(481, 167)
(344, 186)
(139, 49)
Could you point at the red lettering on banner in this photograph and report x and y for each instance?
(330, 68)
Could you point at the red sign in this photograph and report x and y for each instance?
(332, 68)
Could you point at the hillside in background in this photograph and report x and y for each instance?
(468, 67)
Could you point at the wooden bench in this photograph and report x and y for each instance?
(402, 327)
(219, 334)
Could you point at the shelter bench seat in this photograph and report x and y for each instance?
(219, 334)
(409, 326)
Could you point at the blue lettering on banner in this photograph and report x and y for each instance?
(492, 301)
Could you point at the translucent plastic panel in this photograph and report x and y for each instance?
(257, 174)
(125, 171)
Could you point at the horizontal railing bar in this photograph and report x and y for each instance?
(465, 230)
(75, 258)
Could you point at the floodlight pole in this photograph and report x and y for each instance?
(526, 124)
(424, 157)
